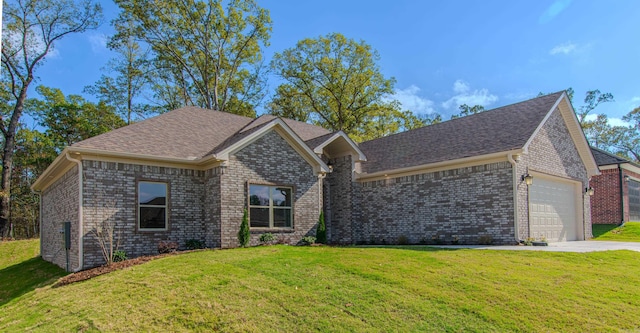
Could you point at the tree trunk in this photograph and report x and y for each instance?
(7, 160)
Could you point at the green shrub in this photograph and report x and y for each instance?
(403, 240)
(321, 232)
(244, 236)
(307, 240)
(194, 244)
(119, 255)
(267, 238)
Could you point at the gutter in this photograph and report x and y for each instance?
(80, 220)
(515, 195)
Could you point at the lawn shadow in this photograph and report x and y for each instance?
(26, 276)
(601, 229)
(423, 248)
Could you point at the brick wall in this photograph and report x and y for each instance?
(110, 195)
(465, 205)
(60, 204)
(340, 212)
(552, 152)
(605, 202)
(269, 160)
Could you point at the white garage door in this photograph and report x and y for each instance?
(552, 210)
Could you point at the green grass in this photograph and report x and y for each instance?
(21, 270)
(289, 289)
(630, 232)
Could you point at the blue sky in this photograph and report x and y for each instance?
(442, 53)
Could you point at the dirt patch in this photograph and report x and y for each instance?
(93, 272)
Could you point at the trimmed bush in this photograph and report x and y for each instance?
(194, 244)
(167, 246)
(307, 240)
(321, 232)
(244, 236)
(267, 238)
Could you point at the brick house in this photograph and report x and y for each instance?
(616, 196)
(499, 176)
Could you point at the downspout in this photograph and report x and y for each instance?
(80, 221)
(515, 195)
(621, 194)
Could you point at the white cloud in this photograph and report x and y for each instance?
(411, 100)
(554, 10)
(464, 95)
(611, 121)
(98, 42)
(565, 48)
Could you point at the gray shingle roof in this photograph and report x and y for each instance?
(188, 133)
(605, 158)
(502, 129)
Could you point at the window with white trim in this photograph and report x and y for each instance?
(152, 205)
(270, 206)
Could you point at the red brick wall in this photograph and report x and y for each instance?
(605, 202)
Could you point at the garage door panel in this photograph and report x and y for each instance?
(552, 210)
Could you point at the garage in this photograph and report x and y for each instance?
(552, 210)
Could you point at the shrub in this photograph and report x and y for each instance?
(403, 240)
(167, 246)
(244, 236)
(267, 238)
(119, 255)
(485, 240)
(194, 244)
(321, 232)
(307, 240)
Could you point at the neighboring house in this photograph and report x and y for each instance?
(498, 177)
(616, 197)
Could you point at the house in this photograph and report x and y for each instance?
(497, 177)
(616, 196)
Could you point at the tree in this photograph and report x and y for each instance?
(71, 119)
(321, 232)
(130, 78)
(334, 82)
(244, 235)
(466, 110)
(204, 54)
(30, 30)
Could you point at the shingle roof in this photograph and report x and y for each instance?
(502, 129)
(188, 133)
(605, 158)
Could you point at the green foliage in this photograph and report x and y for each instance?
(204, 52)
(194, 244)
(244, 235)
(403, 240)
(307, 240)
(321, 231)
(466, 110)
(119, 255)
(335, 82)
(267, 238)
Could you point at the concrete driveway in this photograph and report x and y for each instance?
(574, 246)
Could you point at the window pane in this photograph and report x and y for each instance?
(152, 217)
(281, 196)
(259, 218)
(152, 193)
(282, 218)
(259, 195)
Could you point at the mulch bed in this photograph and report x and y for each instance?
(93, 272)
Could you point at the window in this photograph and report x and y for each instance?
(270, 206)
(152, 206)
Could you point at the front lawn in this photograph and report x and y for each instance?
(306, 289)
(629, 232)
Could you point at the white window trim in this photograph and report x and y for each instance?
(271, 207)
(165, 206)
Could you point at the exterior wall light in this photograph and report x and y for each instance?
(589, 190)
(527, 179)
(627, 178)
